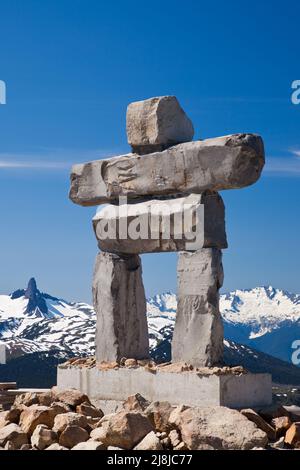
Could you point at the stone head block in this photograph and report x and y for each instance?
(157, 123)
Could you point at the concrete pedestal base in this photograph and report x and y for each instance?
(189, 388)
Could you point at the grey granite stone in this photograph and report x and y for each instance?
(198, 333)
(229, 162)
(120, 305)
(187, 223)
(157, 123)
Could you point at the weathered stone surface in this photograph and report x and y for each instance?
(229, 162)
(273, 411)
(10, 446)
(73, 435)
(71, 397)
(34, 398)
(56, 447)
(150, 442)
(3, 422)
(198, 332)
(43, 437)
(260, 423)
(278, 444)
(158, 413)
(87, 409)
(281, 425)
(293, 411)
(175, 416)
(114, 448)
(89, 445)
(123, 429)
(157, 123)
(120, 305)
(14, 434)
(180, 446)
(69, 419)
(131, 363)
(219, 428)
(174, 438)
(292, 436)
(60, 407)
(34, 415)
(26, 447)
(136, 403)
(10, 416)
(187, 223)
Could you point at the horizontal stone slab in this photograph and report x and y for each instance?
(187, 223)
(157, 123)
(228, 162)
(188, 388)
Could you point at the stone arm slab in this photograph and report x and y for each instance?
(229, 162)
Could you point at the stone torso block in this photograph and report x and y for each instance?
(187, 223)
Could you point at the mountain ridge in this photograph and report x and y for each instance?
(263, 321)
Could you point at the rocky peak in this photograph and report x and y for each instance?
(31, 291)
(36, 300)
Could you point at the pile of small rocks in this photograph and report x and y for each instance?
(147, 364)
(66, 419)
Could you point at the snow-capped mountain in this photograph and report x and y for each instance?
(31, 321)
(264, 319)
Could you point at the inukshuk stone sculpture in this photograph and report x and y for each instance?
(166, 170)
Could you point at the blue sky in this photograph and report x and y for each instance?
(72, 66)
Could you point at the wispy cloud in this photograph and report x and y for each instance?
(51, 159)
(33, 165)
(285, 166)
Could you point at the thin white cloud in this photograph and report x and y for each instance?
(285, 166)
(56, 159)
(33, 165)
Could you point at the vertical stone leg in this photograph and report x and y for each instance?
(120, 305)
(198, 334)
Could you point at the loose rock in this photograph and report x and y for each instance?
(56, 447)
(14, 434)
(34, 415)
(158, 413)
(123, 429)
(43, 437)
(150, 442)
(292, 436)
(281, 425)
(61, 421)
(73, 435)
(136, 403)
(71, 397)
(219, 428)
(260, 423)
(89, 445)
(87, 409)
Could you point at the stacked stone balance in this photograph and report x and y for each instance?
(165, 178)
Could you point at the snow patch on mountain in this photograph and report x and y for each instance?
(263, 318)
